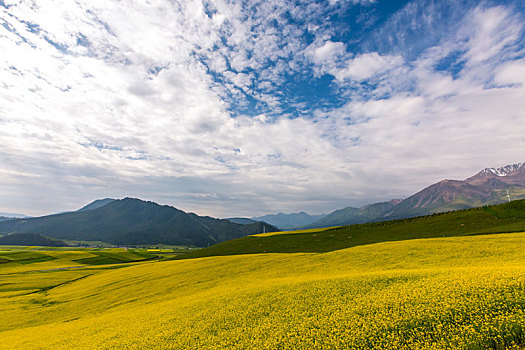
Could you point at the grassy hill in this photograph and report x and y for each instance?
(456, 292)
(508, 217)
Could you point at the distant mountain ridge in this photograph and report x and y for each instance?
(487, 187)
(351, 215)
(241, 221)
(131, 221)
(12, 215)
(289, 221)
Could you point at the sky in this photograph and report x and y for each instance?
(242, 108)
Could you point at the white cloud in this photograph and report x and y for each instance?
(511, 73)
(366, 66)
(325, 54)
(489, 32)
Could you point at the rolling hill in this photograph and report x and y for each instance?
(132, 221)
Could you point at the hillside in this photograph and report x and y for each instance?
(133, 222)
(508, 217)
(30, 239)
(441, 293)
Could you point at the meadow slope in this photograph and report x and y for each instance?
(457, 292)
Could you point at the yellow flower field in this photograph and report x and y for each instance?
(442, 293)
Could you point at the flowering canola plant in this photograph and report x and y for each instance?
(440, 293)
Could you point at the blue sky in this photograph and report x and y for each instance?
(251, 107)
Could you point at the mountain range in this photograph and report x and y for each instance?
(131, 221)
(489, 186)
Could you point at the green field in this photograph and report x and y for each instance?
(436, 293)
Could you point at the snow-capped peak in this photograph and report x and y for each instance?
(503, 171)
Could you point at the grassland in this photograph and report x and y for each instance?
(436, 293)
(508, 217)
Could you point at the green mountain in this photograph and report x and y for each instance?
(508, 217)
(132, 221)
(289, 221)
(30, 239)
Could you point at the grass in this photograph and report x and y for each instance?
(509, 217)
(436, 293)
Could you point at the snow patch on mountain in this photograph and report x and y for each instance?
(503, 171)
